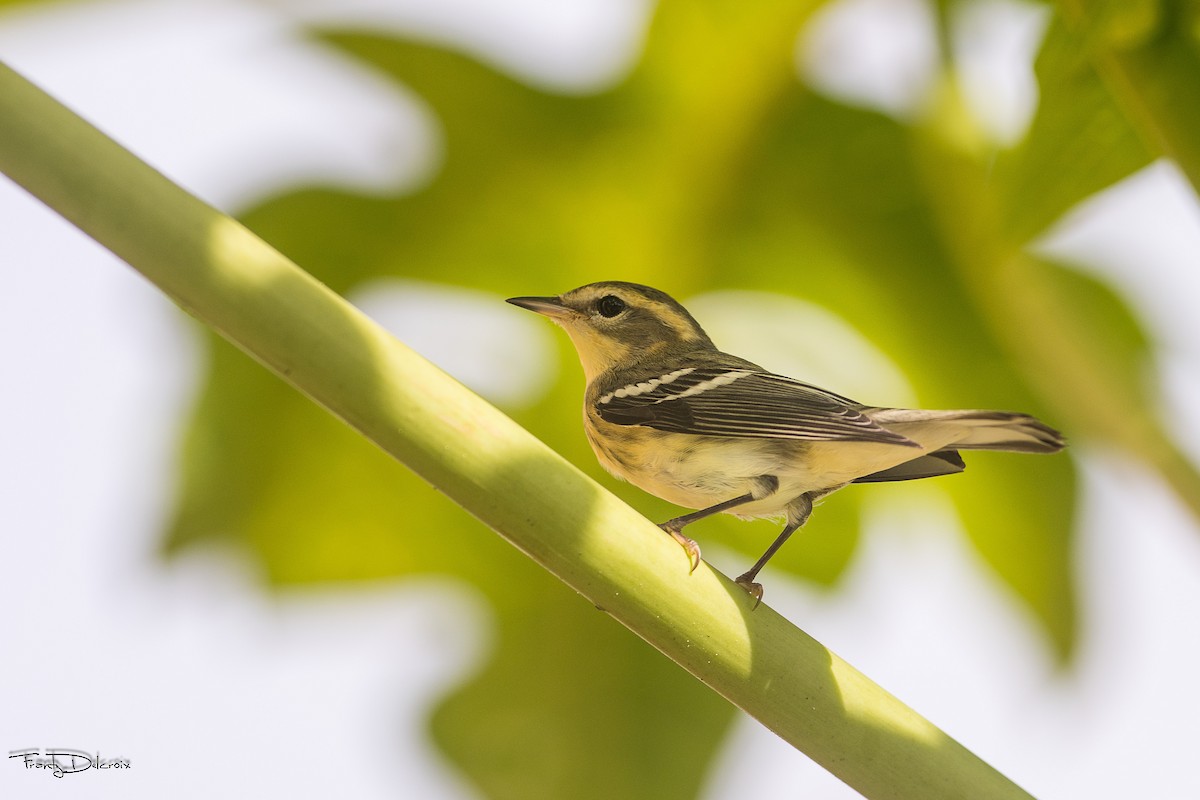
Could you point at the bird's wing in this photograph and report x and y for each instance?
(747, 403)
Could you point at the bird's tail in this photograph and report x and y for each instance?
(975, 429)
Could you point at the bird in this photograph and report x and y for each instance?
(667, 411)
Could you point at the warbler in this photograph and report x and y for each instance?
(667, 411)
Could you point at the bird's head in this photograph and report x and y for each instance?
(618, 324)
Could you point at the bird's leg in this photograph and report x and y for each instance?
(674, 526)
(797, 514)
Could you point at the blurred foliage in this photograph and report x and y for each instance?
(711, 166)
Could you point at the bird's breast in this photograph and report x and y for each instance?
(697, 471)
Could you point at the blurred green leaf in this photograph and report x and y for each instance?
(571, 705)
(1148, 55)
(1078, 143)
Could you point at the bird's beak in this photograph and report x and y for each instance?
(548, 306)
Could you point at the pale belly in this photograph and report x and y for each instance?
(698, 472)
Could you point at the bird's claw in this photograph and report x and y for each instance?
(689, 546)
(753, 589)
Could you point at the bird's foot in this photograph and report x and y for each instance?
(753, 589)
(689, 546)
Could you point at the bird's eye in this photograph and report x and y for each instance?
(610, 305)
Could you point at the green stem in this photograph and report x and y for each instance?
(228, 278)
